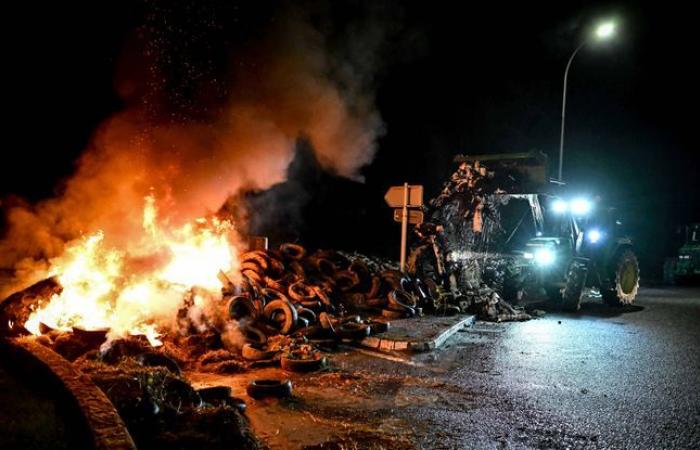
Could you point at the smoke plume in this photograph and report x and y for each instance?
(287, 84)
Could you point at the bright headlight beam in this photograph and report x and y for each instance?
(544, 257)
(594, 235)
(559, 206)
(580, 206)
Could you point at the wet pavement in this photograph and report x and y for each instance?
(603, 378)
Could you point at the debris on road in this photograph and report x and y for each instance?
(458, 246)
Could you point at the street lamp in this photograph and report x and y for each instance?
(602, 32)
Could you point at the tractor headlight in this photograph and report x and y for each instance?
(580, 206)
(560, 206)
(594, 236)
(544, 257)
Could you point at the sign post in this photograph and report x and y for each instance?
(401, 198)
(404, 228)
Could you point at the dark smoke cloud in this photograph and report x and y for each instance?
(197, 134)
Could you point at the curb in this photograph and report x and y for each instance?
(418, 343)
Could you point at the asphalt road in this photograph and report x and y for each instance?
(603, 378)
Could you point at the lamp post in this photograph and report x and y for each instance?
(602, 32)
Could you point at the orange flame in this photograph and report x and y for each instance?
(108, 288)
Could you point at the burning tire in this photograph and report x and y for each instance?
(625, 280)
(257, 258)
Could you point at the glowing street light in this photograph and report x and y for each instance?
(603, 32)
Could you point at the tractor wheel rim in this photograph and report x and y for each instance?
(628, 278)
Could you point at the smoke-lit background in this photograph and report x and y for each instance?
(224, 95)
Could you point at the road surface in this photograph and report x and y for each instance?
(603, 378)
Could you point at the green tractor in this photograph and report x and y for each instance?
(578, 247)
(497, 221)
(686, 266)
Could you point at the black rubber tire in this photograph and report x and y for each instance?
(215, 395)
(237, 403)
(254, 335)
(324, 343)
(391, 314)
(292, 364)
(625, 280)
(399, 299)
(301, 292)
(353, 331)
(151, 359)
(269, 388)
(253, 352)
(307, 314)
(286, 308)
(240, 307)
(376, 327)
(293, 251)
(326, 322)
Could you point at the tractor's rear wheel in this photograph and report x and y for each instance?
(624, 280)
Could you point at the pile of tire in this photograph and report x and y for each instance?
(320, 296)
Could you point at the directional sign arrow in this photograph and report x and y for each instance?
(394, 196)
(414, 217)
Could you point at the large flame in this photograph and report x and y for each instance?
(138, 290)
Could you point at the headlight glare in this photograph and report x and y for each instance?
(594, 235)
(544, 257)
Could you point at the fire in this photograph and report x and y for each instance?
(138, 290)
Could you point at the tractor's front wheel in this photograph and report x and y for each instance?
(624, 283)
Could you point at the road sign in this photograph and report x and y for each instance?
(414, 217)
(403, 198)
(394, 197)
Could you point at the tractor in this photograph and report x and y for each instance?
(498, 222)
(685, 267)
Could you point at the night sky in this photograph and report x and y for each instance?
(474, 79)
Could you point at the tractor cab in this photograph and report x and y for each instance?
(579, 244)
